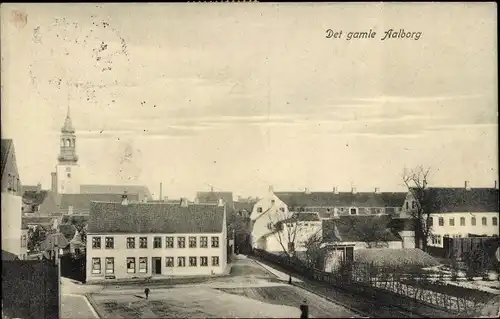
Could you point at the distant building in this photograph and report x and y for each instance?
(137, 239)
(269, 209)
(39, 202)
(458, 212)
(79, 204)
(142, 192)
(214, 197)
(12, 235)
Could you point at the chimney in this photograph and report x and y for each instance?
(271, 189)
(220, 202)
(467, 187)
(38, 188)
(53, 184)
(353, 190)
(161, 186)
(377, 190)
(307, 191)
(184, 202)
(335, 190)
(124, 199)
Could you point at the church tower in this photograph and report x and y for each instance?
(67, 170)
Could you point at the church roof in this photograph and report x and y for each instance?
(68, 124)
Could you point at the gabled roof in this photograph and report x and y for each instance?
(141, 218)
(34, 197)
(54, 240)
(81, 202)
(142, 192)
(75, 219)
(342, 199)
(442, 200)
(359, 228)
(68, 231)
(6, 148)
(213, 198)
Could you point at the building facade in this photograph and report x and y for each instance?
(461, 212)
(269, 209)
(12, 235)
(134, 240)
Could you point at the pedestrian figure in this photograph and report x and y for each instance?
(146, 292)
(304, 310)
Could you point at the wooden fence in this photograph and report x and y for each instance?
(407, 288)
(30, 289)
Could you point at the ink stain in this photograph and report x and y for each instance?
(19, 18)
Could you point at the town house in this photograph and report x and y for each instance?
(138, 239)
(462, 212)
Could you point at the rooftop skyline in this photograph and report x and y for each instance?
(240, 97)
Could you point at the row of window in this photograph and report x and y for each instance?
(109, 242)
(451, 221)
(143, 263)
(350, 210)
(13, 183)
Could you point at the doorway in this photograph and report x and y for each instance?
(156, 267)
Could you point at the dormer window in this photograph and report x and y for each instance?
(353, 211)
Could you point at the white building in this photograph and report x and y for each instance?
(464, 211)
(137, 239)
(268, 210)
(13, 238)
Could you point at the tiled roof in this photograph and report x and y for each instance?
(442, 200)
(402, 224)
(68, 231)
(6, 144)
(305, 217)
(345, 199)
(54, 240)
(75, 219)
(240, 206)
(155, 218)
(141, 191)
(81, 202)
(361, 228)
(32, 197)
(213, 198)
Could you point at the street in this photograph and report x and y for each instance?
(251, 291)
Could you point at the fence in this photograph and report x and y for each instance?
(73, 266)
(400, 286)
(30, 289)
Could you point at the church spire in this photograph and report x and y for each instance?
(68, 125)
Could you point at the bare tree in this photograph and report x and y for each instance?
(285, 228)
(372, 231)
(416, 180)
(314, 252)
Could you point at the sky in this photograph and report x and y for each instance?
(242, 96)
